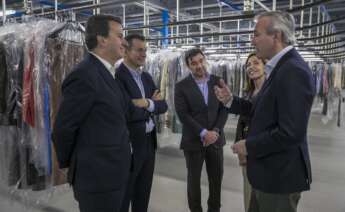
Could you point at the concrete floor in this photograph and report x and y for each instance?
(327, 146)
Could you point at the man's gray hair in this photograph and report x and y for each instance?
(281, 22)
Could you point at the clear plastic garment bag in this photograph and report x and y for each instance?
(35, 57)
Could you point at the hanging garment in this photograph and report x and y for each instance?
(325, 81)
(343, 76)
(28, 91)
(177, 126)
(330, 77)
(320, 91)
(11, 77)
(64, 50)
(25, 115)
(337, 76)
(314, 73)
(3, 79)
(9, 156)
(325, 106)
(38, 137)
(319, 74)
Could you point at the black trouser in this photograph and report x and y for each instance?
(139, 186)
(266, 202)
(99, 201)
(213, 156)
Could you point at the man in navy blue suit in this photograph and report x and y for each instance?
(145, 96)
(276, 149)
(90, 131)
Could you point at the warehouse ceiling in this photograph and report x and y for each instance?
(190, 9)
(133, 11)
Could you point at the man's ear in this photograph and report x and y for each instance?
(278, 35)
(100, 40)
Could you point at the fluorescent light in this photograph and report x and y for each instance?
(187, 47)
(223, 55)
(210, 51)
(310, 56)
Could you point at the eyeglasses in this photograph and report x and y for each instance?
(141, 51)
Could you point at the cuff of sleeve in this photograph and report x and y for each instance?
(151, 107)
(228, 105)
(216, 130)
(202, 134)
(250, 146)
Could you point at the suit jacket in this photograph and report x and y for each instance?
(195, 115)
(137, 124)
(90, 132)
(278, 156)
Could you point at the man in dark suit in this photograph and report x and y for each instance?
(276, 148)
(203, 118)
(90, 131)
(144, 94)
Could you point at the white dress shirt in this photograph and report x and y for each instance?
(272, 63)
(108, 66)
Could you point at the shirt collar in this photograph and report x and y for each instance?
(202, 80)
(271, 64)
(108, 66)
(134, 72)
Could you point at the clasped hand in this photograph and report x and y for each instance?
(210, 138)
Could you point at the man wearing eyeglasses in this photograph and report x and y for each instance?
(145, 96)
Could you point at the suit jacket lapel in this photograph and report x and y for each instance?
(102, 70)
(131, 79)
(146, 85)
(275, 70)
(212, 99)
(196, 90)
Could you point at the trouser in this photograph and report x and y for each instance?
(139, 186)
(247, 189)
(213, 157)
(99, 201)
(266, 202)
